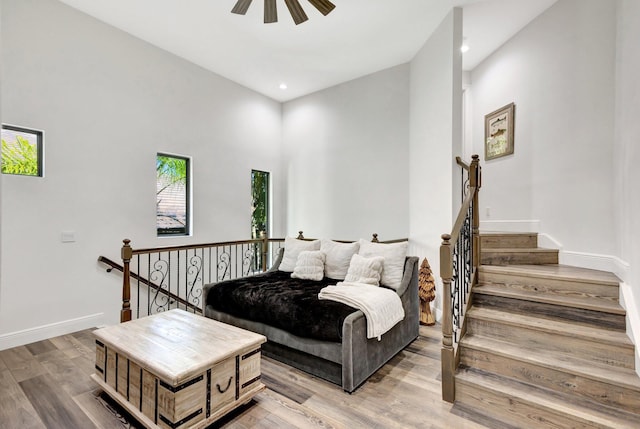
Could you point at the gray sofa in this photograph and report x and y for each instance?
(350, 362)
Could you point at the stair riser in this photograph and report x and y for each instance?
(591, 350)
(589, 317)
(557, 287)
(489, 257)
(555, 379)
(511, 241)
(514, 412)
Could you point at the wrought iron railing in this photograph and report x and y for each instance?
(459, 260)
(162, 278)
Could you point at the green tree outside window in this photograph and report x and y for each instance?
(21, 151)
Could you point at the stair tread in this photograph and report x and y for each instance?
(624, 377)
(602, 335)
(555, 401)
(519, 250)
(587, 303)
(556, 271)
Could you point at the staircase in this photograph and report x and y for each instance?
(545, 344)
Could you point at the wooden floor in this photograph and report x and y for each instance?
(47, 385)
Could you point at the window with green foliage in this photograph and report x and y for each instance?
(260, 203)
(21, 151)
(172, 195)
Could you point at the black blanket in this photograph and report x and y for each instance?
(278, 300)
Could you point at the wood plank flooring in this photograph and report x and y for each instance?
(47, 385)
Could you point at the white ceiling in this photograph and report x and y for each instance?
(357, 38)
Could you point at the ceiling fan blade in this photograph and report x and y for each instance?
(241, 7)
(296, 11)
(324, 6)
(270, 11)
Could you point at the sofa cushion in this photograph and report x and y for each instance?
(338, 257)
(365, 270)
(292, 248)
(309, 266)
(394, 257)
(276, 299)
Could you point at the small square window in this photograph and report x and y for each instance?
(22, 151)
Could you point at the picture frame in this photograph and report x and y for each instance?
(499, 127)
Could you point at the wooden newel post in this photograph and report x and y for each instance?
(300, 236)
(447, 353)
(475, 180)
(265, 249)
(126, 253)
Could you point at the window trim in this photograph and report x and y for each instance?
(39, 134)
(268, 198)
(188, 216)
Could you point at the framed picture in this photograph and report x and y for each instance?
(498, 132)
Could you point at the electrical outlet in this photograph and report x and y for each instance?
(488, 211)
(68, 236)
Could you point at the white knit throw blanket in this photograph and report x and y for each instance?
(381, 307)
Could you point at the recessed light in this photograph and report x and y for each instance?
(465, 46)
(283, 86)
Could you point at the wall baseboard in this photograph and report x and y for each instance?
(633, 319)
(27, 336)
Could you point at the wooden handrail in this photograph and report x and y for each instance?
(462, 214)
(114, 265)
(470, 206)
(203, 245)
(462, 164)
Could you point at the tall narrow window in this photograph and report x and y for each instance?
(172, 195)
(21, 151)
(260, 203)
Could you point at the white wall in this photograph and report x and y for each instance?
(559, 72)
(347, 157)
(435, 136)
(108, 102)
(627, 158)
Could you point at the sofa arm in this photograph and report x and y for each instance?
(361, 357)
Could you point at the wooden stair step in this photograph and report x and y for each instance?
(521, 405)
(492, 240)
(610, 386)
(604, 346)
(600, 313)
(589, 303)
(516, 255)
(557, 279)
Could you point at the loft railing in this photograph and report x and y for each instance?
(164, 278)
(459, 261)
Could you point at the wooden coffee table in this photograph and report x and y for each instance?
(177, 369)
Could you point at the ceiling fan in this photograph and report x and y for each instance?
(296, 11)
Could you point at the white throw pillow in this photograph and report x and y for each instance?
(309, 266)
(394, 257)
(365, 270)
(292, 248)
(338, 257)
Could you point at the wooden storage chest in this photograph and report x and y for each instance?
(177, 369)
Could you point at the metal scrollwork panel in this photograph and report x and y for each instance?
(159, 302)
(194, 279)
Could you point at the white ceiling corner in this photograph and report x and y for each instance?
(357, 38)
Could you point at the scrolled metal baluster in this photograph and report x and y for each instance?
(248, 259)
(159, 275)
(194, 278)
(224, 262)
